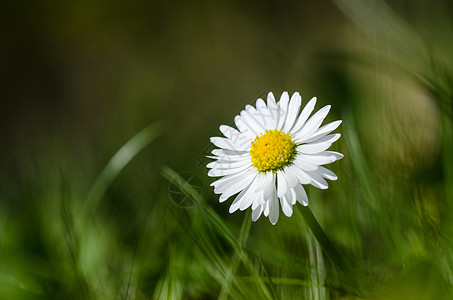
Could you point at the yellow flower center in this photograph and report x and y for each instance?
(272, 151)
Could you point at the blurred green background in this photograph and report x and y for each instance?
(82, 78)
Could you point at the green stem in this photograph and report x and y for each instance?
(117, 163)
(328, 247)
(323, 239)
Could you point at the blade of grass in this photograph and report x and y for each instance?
(447, 150)
(331, 251)
(295, 281)
(211, 216)
(217, 267)
(274, 293)
(66, 221)
(117, 163)
(243, 235)
(322, 239)
(189, 191)
(315, 269)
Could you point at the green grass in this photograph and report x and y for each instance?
(103, 185)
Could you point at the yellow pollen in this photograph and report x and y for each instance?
(272, 151)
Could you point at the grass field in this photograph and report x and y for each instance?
(107, 110)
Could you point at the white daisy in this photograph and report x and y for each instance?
(272, 153)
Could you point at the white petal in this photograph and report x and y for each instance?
(312, 125)
(318, 181)
(282, 184)
(252, 122)
(322, 158)
(256, 117)
(252, 195)
(228, 131)
(223, 182)
(266, 208)
(230, 159)
(308, 109)
(320, 145)
(256, 213)
(273, 111)
(235, 135)
(268, 192)
(249, 199)
(290, 195)
(263, 115)
(225, 159)
(291, 177)
(293, 196)
(229, 153)
(260, 103)
(323, 131)
(236, 187)
(282, 110)
(268, 189)
(223, 187)
(268, 181)
(220, 164)
(258, 201)
(326, 173)
(273, 209)
(228, 144)
(216, 172)
(270, 98)
(336, 154)
(237, 201)
(244, 128)
(301, 195)
(328, 138)
(239, 198)
(303, 177)
(304, 165)
(287, 208)
(293, 111)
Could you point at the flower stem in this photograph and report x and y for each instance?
(328, 247)
(322, 238)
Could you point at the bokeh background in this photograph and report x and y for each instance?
(82, 78)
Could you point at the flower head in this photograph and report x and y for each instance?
(274, 151)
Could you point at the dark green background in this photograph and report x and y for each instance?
(79, 79)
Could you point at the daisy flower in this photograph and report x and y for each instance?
(274, 151)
